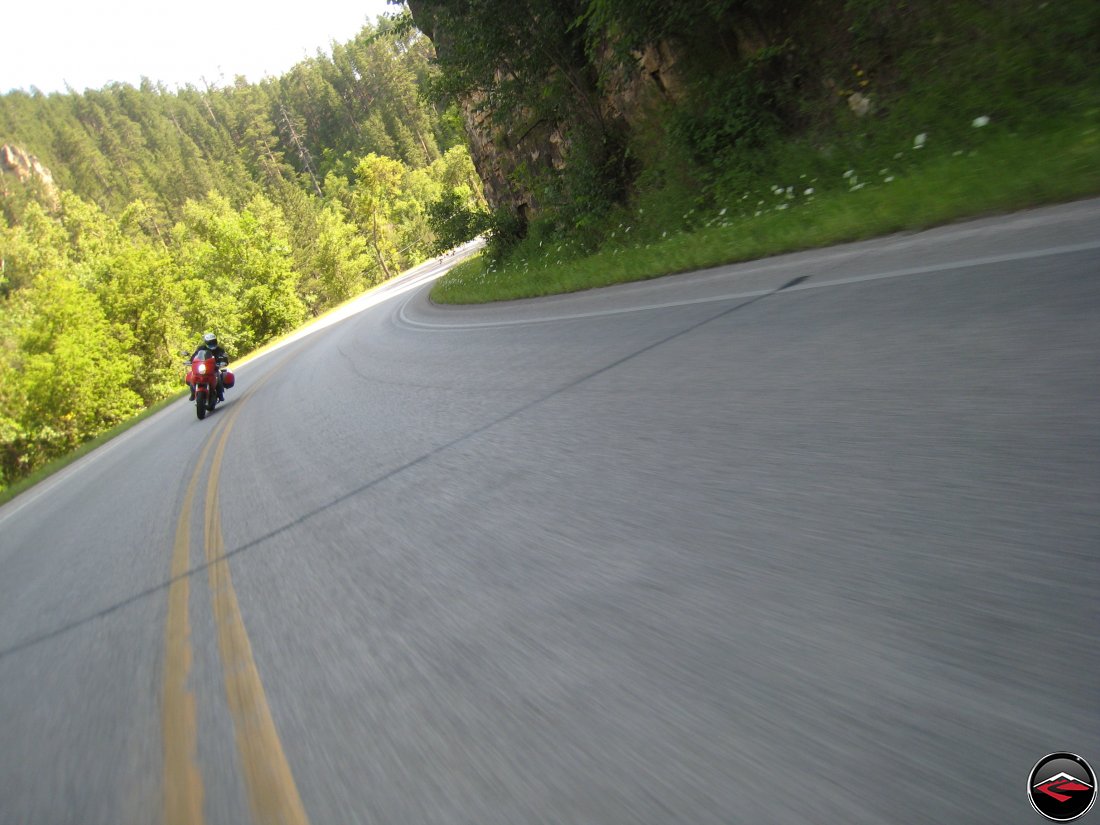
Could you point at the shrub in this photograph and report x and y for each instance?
(506, 230)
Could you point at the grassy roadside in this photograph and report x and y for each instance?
(998, 172)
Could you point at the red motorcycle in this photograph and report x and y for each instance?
(204, 373)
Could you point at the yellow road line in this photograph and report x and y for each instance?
(272, 793)
(183, 792)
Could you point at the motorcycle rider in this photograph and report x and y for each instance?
(210, 345)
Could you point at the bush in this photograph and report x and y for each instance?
(506, 230)
(728, 119)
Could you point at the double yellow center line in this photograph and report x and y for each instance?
(272, 793)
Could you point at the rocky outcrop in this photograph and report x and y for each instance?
(510, 156)
(503, 155)
(507, 156)
(758, 60)
(26, 168)
(652, 76)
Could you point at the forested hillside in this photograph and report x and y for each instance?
(120, 144)
(136, 218)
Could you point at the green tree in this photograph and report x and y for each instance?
(376, 202)
(342, 263)
(74, 371)
(239, 279)
(35, 244)
(453, 222)
(142, 298)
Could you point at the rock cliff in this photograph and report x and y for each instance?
(16, 163)
(510, 153)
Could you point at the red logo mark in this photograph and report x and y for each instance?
(1062, 786)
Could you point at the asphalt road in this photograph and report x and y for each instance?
(810, 540)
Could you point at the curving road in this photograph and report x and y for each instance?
(815, 539)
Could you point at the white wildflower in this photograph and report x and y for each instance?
(888, 179)
(979, 122)
(809, 191)
(920, 140)
(722, 212)
(849, 173)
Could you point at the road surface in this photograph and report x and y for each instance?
(813, 539)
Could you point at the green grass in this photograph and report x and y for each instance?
(998, 172)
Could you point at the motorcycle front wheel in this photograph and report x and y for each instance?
(200, 406)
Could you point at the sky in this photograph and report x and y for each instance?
(51, 43)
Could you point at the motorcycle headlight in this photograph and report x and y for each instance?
(202, 369)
